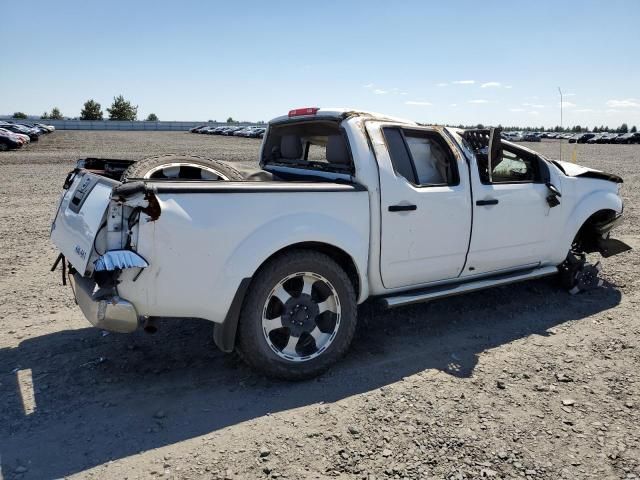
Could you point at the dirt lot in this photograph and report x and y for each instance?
(522, 381)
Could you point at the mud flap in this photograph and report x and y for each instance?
(609, 247)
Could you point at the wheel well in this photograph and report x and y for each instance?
(586, 238)
(341, 257)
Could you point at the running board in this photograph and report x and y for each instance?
(442, 291)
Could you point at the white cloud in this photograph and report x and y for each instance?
(627, 103)
(491, 85)
(508, 86)
(516, 109)
(368, 85)
(532, 105)
(533, 112)
(568, 94)
(442, 84)
(379, 91)
(404, 93)
(567, 104)
(453, 105)
(464, 82)
(585, 110)
(479, 101)
(422, 104)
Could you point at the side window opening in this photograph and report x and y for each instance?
(423, 158)
(512, 167)
(318, 145)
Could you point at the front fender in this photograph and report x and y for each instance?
(268, 239)
(587, 206)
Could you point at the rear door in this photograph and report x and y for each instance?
(425, 205)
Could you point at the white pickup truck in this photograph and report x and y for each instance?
(347, 206)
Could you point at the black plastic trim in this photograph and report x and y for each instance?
(402, 208)
(191, 186)
(224, 334)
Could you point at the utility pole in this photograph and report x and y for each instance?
(561, 125)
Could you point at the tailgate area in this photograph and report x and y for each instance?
(80, 216)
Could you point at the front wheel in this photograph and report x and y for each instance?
(299, 316)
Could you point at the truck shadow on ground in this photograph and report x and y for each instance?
(100, 398)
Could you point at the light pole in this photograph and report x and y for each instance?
(561, 126)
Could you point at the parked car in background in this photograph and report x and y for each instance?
(595, 138)
(196, 129)
(8, 141)
(15, 128)
(18, 136)
(530, 137)
(608, 138)
(230, 131)
(628, 138)
(585, 137)
(49, 128)
(512, 136)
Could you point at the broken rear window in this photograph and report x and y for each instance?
(320, 145)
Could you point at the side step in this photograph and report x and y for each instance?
(441, 291)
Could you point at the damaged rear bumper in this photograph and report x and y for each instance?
(106, 312)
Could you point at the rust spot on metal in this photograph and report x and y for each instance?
(153, 209)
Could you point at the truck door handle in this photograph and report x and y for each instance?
(402, 208)
(491, 201)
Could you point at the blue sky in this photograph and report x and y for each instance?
(442, 62)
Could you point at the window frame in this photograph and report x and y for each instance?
(540, 174)
(430, 135)
(313, 166)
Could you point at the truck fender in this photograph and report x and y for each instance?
(587, 206)
(255, 249)
(277, 234)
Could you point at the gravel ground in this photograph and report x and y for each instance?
(522, 381)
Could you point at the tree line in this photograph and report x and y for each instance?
(120, 109)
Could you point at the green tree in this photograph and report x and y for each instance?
(20, 115)
(230, 120)
(44, 116)
(624, 128)
(91, 110)
(633, 129)
(152, 117)
(122, 109)
(55, 114)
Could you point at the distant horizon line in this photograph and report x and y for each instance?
(568, 128)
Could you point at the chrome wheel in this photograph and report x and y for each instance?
(301, 316)
(191, 171)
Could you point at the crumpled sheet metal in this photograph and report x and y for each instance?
(119, 260)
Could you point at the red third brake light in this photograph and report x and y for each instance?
(303, 111)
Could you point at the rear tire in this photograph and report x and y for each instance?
(182, 167)
(292, 335)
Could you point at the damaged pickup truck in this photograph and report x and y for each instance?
(347, 206)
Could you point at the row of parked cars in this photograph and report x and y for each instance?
(606, 137)
(248, 132)
(624, 138)
(15, 135)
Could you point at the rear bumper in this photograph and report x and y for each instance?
(108, 313)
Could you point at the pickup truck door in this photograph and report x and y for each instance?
(425, 205)
(512, 220)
